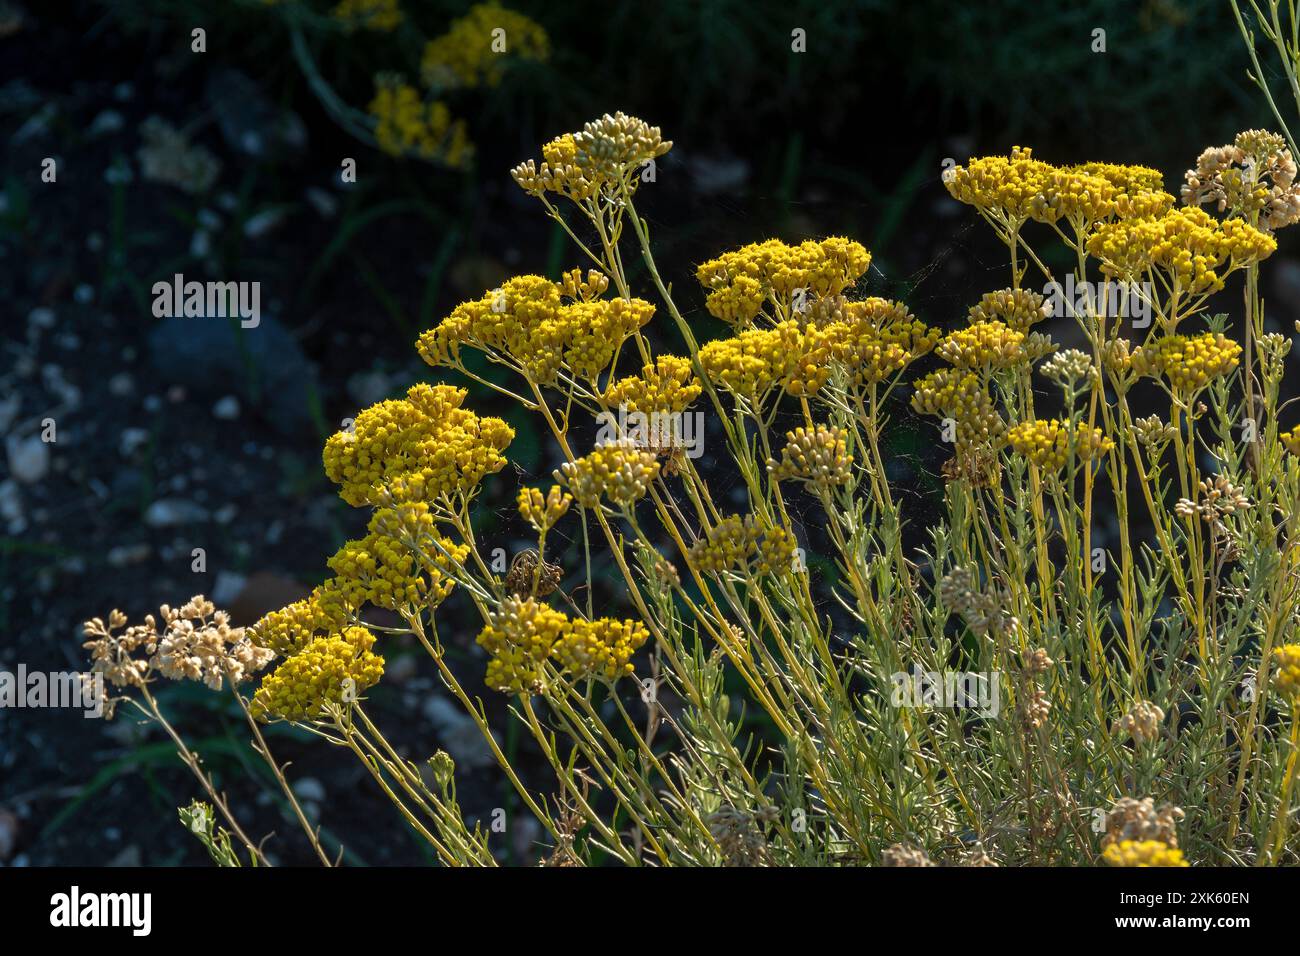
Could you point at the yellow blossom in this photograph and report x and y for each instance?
(1047, 442)
(1143, 853)
(332, 669)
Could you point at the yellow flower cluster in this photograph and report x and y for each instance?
(753, 362)
(473, 50)
(619, 472)
(960, 395)
(1187, 244)
(1143, 853)
(1046, 443)
(1188, 362)
(606, 155)
(874, 338)
(668, 385)
(746, 545)
(739, 283)
(817, 456)
(524, 633)
(421, 448)
(543, 512)
(403, 560)
(1005, 187)
(1286, 678)
(407, 125)
(602, 648)
(1018, 188)
(292, 628)
(332, 669)
(530, 320)
(1291, 440)
(381, 15)
(984, 345)
(1018, 309)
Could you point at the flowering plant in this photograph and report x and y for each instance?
(1149, 675)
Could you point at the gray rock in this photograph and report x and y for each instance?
(29, 458)
(210, 355)
(172, 512)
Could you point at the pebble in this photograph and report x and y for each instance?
(127, 554)
(131, 440)
(121, 385)
(11, 507)
(226, 513)
(458, 733)
(309, 788)
(226, 409)
(227, 587)
(41, 318)
(9, 409)
(171, 512)
(29, 458)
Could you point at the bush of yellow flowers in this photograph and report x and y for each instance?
(1147, 682)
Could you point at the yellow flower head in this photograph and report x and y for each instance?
(1143, 853)
(668, 385)
(531, 321)
(475, 49)
(755, 361)
(600, 649)
(960, 395)
(404, 560)
(1017, 309)
(608, 153)
(1188, 245)
(1189, 363)
(331, 669)
(746, 545)
(543, 512)
(739, 283)
(407, 125)
(619, 472)
(1047, 442)
(1005, 187)
(1286, 677)
(818, 456)
(873, 339)
(519, 638)
(421, 448)
(984, 345)
(291, 628)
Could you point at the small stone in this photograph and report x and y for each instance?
(124, 555)
(29, 458)
(173, 512)
(309, 788)
(226, 513)
(9, 409)
(264, 222)
(121, 385)
(11, 507)
(226, 409)
(227, 587)
(131, 440)
(41, 318)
